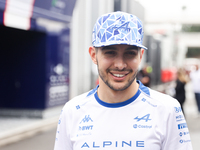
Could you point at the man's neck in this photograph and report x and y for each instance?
(108, 95)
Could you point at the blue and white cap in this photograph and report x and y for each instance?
(118, 28)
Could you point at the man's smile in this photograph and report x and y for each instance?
(118, 75)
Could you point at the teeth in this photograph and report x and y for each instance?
(118, 75)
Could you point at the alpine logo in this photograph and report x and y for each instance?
(113, 144)
(145, 118)
(86, 119)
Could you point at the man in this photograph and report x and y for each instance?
(121, 113)
(195, 78)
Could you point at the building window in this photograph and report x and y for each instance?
(193, 52)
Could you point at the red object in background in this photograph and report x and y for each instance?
(97, 81)
(168, 75)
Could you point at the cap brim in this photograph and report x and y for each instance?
(107, 44)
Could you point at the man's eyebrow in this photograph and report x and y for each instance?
(133, 48)
(108, 48)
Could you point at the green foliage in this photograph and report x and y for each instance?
(190, 28)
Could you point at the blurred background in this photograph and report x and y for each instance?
(44, 60)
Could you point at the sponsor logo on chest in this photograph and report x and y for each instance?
(144, 122)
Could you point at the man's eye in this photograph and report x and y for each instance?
(131, 53)
(110, 52)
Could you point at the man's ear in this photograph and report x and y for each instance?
(92, 53)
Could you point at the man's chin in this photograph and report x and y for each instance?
(118, 87)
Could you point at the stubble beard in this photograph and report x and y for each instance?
(129, 82)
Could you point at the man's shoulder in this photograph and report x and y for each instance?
(163, 99)
(80, 99)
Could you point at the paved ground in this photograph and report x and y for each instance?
(13, 130)
(39, 134)
(191, 117)
(40, 141)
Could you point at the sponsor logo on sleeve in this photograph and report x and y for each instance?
(183, 133)
(184, 141)
(148, 102)
(180, 118)
(177, 109)
(182, 126)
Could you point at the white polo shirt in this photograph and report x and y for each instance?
(148, 121)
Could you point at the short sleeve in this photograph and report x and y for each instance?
(177, 133)
(62, 141)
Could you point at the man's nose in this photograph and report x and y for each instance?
(120, 63)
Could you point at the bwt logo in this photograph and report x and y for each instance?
(85, 127)
(86, 119)
(178, 109)
(182, 125)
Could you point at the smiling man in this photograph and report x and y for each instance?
(121, 113)
(117, 67)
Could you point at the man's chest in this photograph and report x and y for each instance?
(116, 130)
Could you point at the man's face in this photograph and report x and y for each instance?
(118, 65)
